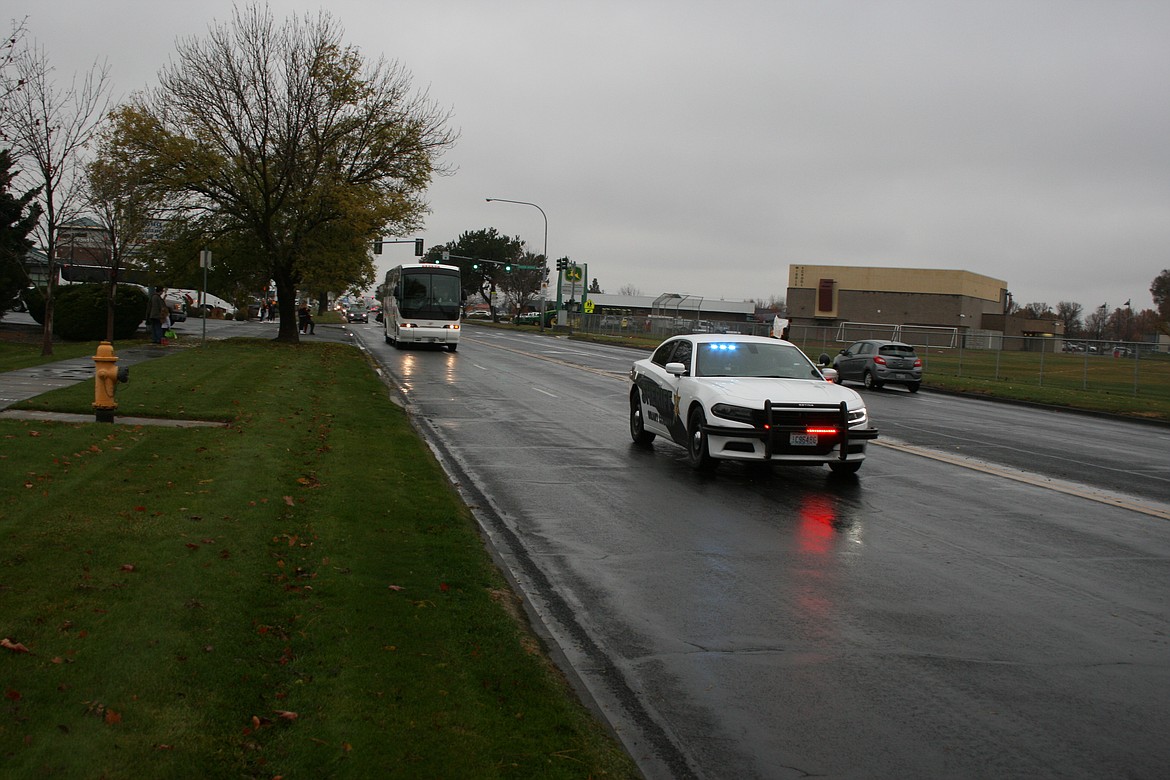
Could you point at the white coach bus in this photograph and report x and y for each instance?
(421, 304)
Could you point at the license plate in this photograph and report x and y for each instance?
(802, 439)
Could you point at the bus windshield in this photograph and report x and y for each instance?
(429, 295)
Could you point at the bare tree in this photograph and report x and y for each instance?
(629, 290)
(1037, 311)
(774, 302)
(1096, 321)
(50, 127)
(10, 83)
(1069, 314)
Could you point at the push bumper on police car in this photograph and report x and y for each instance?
(791, 432)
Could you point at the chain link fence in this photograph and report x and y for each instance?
(1098, 365)
(1094, 365)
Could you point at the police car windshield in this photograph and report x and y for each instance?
(750, 359)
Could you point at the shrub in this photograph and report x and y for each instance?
(79, 313)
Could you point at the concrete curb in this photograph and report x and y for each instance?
(17, 414)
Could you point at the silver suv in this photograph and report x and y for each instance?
(876, 362)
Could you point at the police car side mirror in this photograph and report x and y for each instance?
(830, 374)
(678, 369)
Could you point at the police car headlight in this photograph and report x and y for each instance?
(738, 413)
(857, 417)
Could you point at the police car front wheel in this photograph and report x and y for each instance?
(697, 449)
(638, 431)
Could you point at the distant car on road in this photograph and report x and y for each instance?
(738, 397)
(356, 314)
(879, 362)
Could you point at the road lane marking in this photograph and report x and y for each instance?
(608, 373)
(1108, 498)
(1116, 500)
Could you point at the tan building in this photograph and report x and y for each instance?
(970, 303)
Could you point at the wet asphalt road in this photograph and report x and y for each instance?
(989, 598)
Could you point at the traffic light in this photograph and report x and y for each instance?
(562, 263)
(475, 266)
(378, 247)
(507, 268)
(418, 247)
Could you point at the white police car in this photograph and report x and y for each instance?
(752, 398)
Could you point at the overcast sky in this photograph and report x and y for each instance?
(702, 147)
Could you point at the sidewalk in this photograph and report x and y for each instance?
(25, 383)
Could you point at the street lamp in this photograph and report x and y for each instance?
(538, 208)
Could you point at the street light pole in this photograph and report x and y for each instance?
(542, 299)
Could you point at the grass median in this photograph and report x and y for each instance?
(298, 593)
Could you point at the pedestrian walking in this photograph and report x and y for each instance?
(156, 310)
(305, 318)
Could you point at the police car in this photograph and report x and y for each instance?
(736, 397)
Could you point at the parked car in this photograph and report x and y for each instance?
(879, 362)
(737, 397)
(526, 318)
(177, 306)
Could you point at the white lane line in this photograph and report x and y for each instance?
(1118, 500)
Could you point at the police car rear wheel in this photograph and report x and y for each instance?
(638, 430)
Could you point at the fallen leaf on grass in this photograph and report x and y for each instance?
(286, 715)
(395, 587)
(15, 647)
(113, 718)
(289, 500)
(12, 695)
(127, 567)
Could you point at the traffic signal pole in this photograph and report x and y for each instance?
(562, 317)
(418, 244)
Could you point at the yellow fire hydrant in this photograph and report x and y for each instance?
(105, 378)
